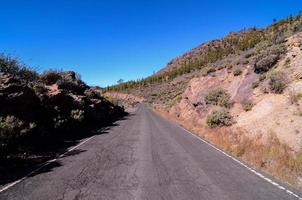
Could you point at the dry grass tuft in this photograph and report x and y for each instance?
(272, 156)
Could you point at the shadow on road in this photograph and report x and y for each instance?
(16, 167)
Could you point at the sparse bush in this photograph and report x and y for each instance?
(77, 115)
(237, 72)
(28, 74)
(112, 100)
(219, 118)
(12, 66)
(277, 82)
(12, 128)
(208, 70)
(93, 94)
(262, 77)
(218, 97)
(247, 105)
(267, 57)
(9, 65)
(294, 97)
(175, 100)
(50, 77)
(287, 62)
(266, 63)
(255, 84)
(39, 88)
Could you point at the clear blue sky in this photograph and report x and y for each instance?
(106, 40)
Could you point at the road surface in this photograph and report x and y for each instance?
(145, 157)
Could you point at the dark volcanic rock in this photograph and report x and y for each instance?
(16, 98)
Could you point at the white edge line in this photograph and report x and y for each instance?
(43, 165)
(244, 165)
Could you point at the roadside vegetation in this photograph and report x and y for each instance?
(275, 157)
(277, 82)
(219, 117)
(218, 97)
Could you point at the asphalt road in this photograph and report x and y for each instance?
(145, 157)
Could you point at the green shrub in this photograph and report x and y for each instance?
(266, 63)
(12, 66)
(207, 70)
(247, 105)
(218, 97)
(28, 74)
(267, 57)
(112, 100)
(237, 72)
(39, 88)
(219, 118)
(12, 128)
(9, 65)
(50, 77)
(277, 82)
(77, 115)
(287, 62)
(92, 93)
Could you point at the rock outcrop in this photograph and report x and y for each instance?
(57, 104)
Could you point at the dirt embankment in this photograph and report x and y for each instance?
(125, 100)
(269, 135)
(125, 96)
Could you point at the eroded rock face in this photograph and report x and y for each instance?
(271, 113)
(125, 96)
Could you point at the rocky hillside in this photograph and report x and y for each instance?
(242, 92)
(40, 112)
